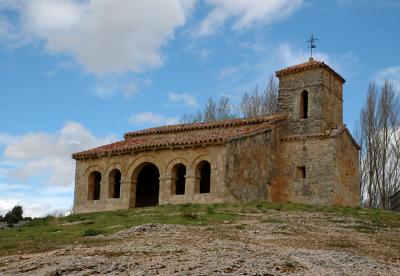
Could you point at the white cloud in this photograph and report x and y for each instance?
(245, 13)
(152, 119)
(6, 138)
(48, 155)
(228, 71)
(105, 36)
(128, 87)
(38, 207)
(183, 98)
(389, 73)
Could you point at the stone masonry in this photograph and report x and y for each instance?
(303, 153)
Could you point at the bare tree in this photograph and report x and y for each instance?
(378, 135)
(253, 104)
(261, 103)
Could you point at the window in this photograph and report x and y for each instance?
(203, 177)
(94, 186)
(114, 184)
(301, 172)
(304, 105)
(178, 179)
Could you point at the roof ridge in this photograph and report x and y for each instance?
(206, 125)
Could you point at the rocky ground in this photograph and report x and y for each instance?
(271, 243)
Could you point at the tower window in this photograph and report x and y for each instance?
(301, 172)
(304, 105)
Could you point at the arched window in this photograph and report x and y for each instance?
(203, 177)
(94, 186)
(304, 105)
(178, 179)
(114, 189)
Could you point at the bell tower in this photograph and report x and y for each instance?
(311, 94)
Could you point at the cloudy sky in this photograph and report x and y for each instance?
(75, 74)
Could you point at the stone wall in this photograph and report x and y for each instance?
(324, 101)
(249, 167)
(313, 155)
(347, 184)
(130, 165)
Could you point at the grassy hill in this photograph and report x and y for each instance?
(55, 232)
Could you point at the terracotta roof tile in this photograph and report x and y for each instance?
(185, 135)
(311, 64)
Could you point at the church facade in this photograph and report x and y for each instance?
(303, 153)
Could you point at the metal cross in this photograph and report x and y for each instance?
(312, 44)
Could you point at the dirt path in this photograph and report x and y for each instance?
(258, 244)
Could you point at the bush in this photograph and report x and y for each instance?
(92, 232)
(12, 219)
(14, 216)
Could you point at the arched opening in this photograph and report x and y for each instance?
(94, 186)
(304, 105)
(147, 186)
(178, 179)
(203, 177)
(114, 180)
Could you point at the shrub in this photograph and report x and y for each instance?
(92, 232)
(14, 216)
(189, 215)
(12, 219)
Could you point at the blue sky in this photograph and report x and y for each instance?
(75, 74)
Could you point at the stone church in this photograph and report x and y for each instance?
(303, 153)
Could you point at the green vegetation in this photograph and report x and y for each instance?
(14, 216)
(53, 232)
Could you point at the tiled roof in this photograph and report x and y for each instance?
(207, 125)
(311, 64)
(184, 135)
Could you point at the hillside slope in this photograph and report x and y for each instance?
(239, 239)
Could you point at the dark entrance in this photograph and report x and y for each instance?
(205, 177)
(147, 186)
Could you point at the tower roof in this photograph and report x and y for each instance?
(311, 64)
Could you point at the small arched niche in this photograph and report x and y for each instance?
(304, 105)
(114, 180)
(94, 185)
(178, 179)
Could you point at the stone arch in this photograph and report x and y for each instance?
(94, 185)
(178, 179)
(304, 105)
(89, 181)
(114, 184)
(146, 179)
(140, 161)
(93, 168)
(198, 159)
(134, 171)
(175, 161)
(114, 175)
(200, 186)
(203, 177)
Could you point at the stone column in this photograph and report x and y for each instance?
(165, 189)
(190, 185)
(103, 190)
(128, 193)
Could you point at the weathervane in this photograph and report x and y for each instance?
(312, 44)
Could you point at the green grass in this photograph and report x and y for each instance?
(50, 232)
